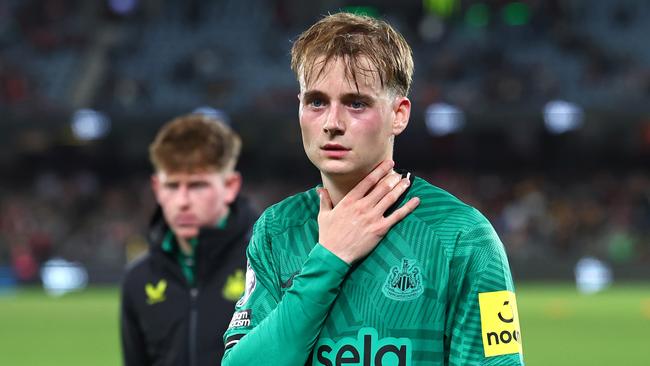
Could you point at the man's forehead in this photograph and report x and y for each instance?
(358, 74)
(187, 175)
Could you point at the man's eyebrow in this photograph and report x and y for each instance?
(313, 94)
(362, 96)
(353, 97)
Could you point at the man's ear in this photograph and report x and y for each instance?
(233, 181)
(155, 186)
(402, 110)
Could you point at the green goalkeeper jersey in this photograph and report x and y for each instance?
(436, 290)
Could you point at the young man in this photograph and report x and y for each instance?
(375, 267)
(177, 299)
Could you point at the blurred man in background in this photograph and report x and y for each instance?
(376, 267)
(177, 299)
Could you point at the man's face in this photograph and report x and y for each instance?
(193, 200)
(346, 131)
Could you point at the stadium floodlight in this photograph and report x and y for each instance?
(443, 119)
(592, 275)
(123, 7)
(89, 124)
(562, 116)
(517, 13)
(60, 276)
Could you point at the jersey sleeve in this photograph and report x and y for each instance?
(267, 325)
(482, 321)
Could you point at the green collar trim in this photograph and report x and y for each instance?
(186, 262)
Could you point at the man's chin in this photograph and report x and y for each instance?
(336, 167)
(343, 168)
(186, 233)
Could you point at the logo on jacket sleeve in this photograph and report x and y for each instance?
(499, 323)
(405, 283)
(235, 286)
(251, 282)
(240, 319)
(155, 294)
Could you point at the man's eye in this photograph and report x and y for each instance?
(198, 185)
(357, 104)
(316, 103)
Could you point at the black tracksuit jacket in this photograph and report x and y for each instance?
(186, 325)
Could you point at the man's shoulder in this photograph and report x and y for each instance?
(137, 268)
(440, 208)
(444, 212)
(291, 211)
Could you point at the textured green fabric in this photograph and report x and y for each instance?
(412, 301)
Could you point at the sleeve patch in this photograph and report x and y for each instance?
(240, 319)
(251, 283)
(499, 323)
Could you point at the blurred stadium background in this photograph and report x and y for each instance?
(536, 112)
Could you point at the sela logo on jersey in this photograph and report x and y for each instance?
(240, 319)
(499, 323)
(405, 283)
(251, 282)
(366, 350)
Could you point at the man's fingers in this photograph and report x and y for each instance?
(402, 212)
(389, 198)
(325, 200)
(360, 190)
(383, 189)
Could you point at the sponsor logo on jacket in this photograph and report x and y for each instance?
(155, 294)
(235, 286)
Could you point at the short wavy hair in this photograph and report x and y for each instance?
(351, 37)
(195, 143)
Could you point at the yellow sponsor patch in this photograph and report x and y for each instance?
(235, 286)
(155, 294)
(499, 323)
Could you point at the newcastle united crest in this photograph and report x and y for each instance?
(405, 283)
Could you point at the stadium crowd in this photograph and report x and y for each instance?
(100, 224)
(151, 54)
(167, 57)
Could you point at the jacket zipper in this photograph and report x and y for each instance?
(194, 294)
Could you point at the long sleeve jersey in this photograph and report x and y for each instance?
(437, 290)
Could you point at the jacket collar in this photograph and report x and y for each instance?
(211, 241)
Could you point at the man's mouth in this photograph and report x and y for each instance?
(334, 147)
(185, 221)
(334, 151)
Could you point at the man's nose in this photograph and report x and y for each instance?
(334, 121)
(183, 197)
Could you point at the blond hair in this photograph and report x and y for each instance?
(350, 37)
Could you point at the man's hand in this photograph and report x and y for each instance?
(355, 226)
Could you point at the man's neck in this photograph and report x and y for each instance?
(185, 245)
(339, 185)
